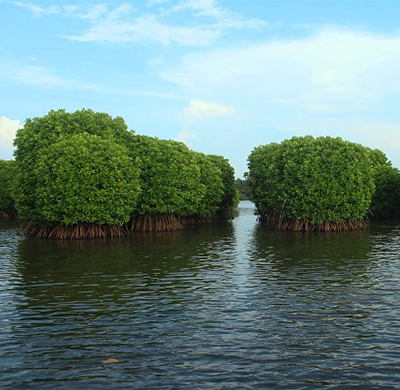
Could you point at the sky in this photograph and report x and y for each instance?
(223, 76)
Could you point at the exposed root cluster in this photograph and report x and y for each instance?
(225, 214)
(80, 230)
(327, 226)
(139, 223)
(154, 223)
(270, 217)
(11, 215)
(195, 220)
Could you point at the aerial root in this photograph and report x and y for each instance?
(195, 220)
(300, 225)
(269, 217)
(77, 231)
(154, 223)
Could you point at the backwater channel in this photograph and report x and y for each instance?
(230, 305)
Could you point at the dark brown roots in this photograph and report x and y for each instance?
(195, 220)
(299, 226)
(270, 217)
(81, 230)
(154, 223)
(10, 215)
(226, 214)
(139, 223)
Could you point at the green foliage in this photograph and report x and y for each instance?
(378, 160)
(38, 134)
(230, 198)
(310, 179)
(266, 167)
(386, 199)
(211, 186)
(87, 168)
(84, 178)
(169, 175)
(7, 174)
(242, 185)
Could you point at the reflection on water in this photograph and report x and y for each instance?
(228, 305)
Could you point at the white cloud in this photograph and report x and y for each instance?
(380, 135)
(145, 28)
(8, 129)
(35, 75)
(190, 23)
(38, 11)
(203, 8)
(92, 13)
(185, 135)
(200, 109)
(89, 12)
(334, 68)
(156, 2)
(223, 18)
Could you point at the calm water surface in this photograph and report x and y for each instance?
(233, 305)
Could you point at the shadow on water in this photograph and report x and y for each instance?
(75, 303)
(149, 253)
(308, 254)
(156, 267)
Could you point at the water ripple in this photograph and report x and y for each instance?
(230, 305)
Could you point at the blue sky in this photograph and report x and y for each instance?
(222, 76)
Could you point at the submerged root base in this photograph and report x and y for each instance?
(10, 215)
(299, 226)
(270, 217)
(80, 230)
(139, 223)
(154, 223)
(195, 220)
(225, 214)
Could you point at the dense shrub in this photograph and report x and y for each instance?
(84, 178)
(83, 174)
(308, 183)
(211, 187)
(169, 177)
(7, 174)
(39, 133)
(386, 199)
(230, 197)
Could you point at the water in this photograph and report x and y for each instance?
(232, 305)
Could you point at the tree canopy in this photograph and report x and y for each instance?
(230, 198)
(169, 176)
(40, 133)
(7, 173)
(86, 169)
(386, 198)
(84, 178)
(312, 183)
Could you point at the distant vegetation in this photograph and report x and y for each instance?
(84, 174)
(322, 183)
(243, 187)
